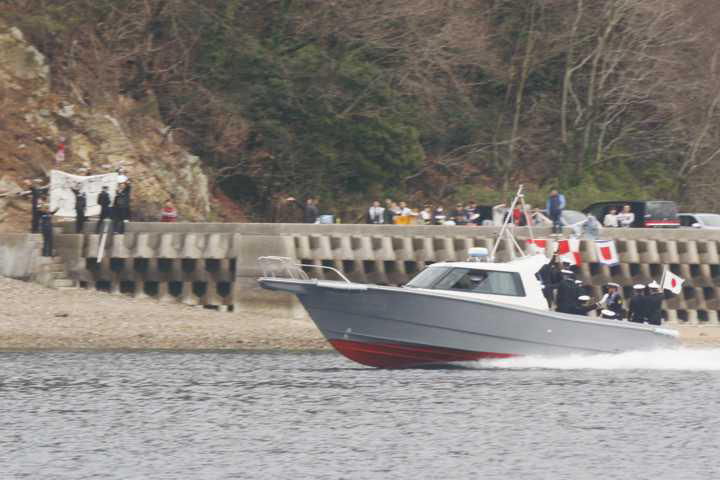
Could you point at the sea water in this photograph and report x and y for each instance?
(218, 415)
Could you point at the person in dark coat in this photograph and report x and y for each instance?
(389, 212)
(80, 206)
(550, 277)
(614, 301)
(555, 206)
(458, 215)
(637, 308)
(35, 194)
(653, 303)
(121, 208)
(46, 228)
(288, 210)
(582, 306)
(311, 212)
(105, 210)
(567, 293)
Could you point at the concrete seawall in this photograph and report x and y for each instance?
(215, 264)
(18, 255)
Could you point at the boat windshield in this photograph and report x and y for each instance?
(469, 280)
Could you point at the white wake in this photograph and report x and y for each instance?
(674, 359)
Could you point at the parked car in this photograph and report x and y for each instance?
(700, 220)
(648, 214)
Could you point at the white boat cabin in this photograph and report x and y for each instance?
(511, 282)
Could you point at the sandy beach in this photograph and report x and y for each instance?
(35, 317)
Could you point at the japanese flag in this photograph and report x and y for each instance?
(569, 251)
(606, 252)
(672, 282)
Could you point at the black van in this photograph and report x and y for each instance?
(650, 214)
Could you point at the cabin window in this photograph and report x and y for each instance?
(428, 277)
(470, 280)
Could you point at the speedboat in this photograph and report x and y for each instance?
(455, 312)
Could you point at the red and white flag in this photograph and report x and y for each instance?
(606, 252)
(535, 245)
(569, 251)
(672, 282)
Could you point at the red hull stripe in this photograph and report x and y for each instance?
(395, 355)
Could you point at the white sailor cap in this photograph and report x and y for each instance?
(583, 298)
(639, 286)
(607, 313)
(613, 284)
(567, 272)
(654, 284)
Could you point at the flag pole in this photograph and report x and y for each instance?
(101, 247)
(508, 218)
(662, 279)
(528, 217)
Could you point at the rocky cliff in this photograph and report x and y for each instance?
(34, 121)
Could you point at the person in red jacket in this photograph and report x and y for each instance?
(169, 212)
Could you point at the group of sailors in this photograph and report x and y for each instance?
(566, 294)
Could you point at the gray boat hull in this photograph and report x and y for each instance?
(395, 327)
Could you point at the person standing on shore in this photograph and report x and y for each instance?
(105, 211)
(287, 210)
(311, 212)
(121, 208)
(626, 218)
(169, 212)
(46, 228)
(555, 206)
(376, 214)
(426, 215)
(611, 219)
(35, 194)
(80, 205)
(389, 212)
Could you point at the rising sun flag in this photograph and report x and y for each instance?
(672, 282)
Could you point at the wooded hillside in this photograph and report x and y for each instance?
(437, 100)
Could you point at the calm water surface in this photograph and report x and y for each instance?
(155, 415)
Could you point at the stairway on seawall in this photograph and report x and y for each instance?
(51, 273)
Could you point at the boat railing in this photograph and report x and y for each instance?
(284, 267)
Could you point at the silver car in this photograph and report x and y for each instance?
(700, 220)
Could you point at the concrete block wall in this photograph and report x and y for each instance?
(19, 255)
(198, 263)
(193, 268)
(217, 269)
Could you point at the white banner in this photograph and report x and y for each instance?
(62, 197)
